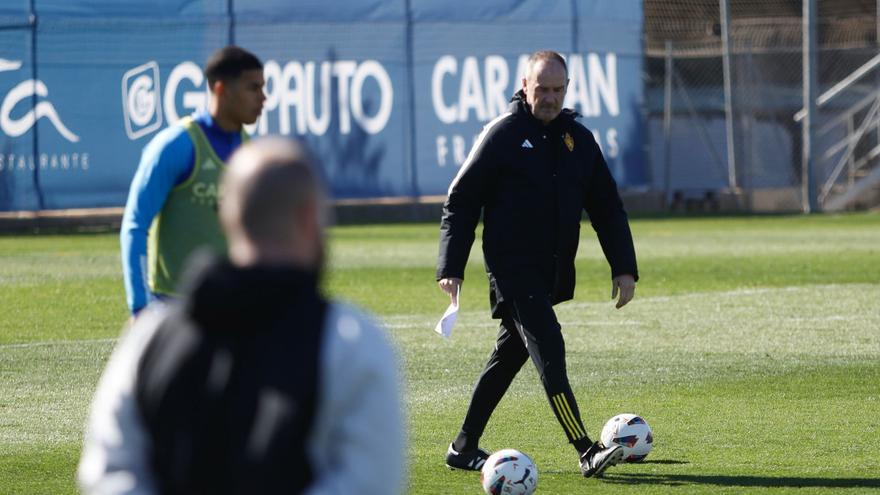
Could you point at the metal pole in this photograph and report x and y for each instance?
(748, 87)
(851, 161)
(230, 13)
(667, 126)
(811, 82)
(728, 93)
(411, 168)
(35, 151)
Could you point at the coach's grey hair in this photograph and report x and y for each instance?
(544, 55)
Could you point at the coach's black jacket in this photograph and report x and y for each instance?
(532, 183)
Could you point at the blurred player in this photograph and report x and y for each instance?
(252, 382)
(172, 203)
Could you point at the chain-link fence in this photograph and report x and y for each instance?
(706, 139)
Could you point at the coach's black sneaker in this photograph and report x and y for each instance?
(597, 459)
(470, 460)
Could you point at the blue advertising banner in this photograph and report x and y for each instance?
(336, 78)
(389, 94)
(606, 84)
(18, 187)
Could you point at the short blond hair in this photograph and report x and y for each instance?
(268, 183)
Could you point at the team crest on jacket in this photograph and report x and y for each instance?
(569, 141)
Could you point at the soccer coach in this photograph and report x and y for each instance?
(253, 382)
(531, 173)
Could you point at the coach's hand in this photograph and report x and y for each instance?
(451, 287)
(626, 285)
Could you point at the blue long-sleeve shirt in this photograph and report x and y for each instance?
(166, 161)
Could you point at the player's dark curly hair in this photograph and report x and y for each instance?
(228, 63)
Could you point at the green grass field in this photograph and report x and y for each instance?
(752, 348)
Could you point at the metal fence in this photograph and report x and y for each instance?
(721, 115)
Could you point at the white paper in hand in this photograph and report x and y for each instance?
(447, 321)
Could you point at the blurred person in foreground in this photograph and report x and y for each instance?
(252, 382)
(172, 203)
(532, 173)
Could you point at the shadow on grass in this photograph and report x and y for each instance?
(658, 461)
(745, 481)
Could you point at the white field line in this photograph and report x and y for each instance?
(420, 320)
(729, 294)
(50, 343)
(404, 321)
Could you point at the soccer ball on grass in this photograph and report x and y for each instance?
(632, 433)
(509, 472)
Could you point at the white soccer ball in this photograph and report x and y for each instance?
(632, 433)
(509, 472)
